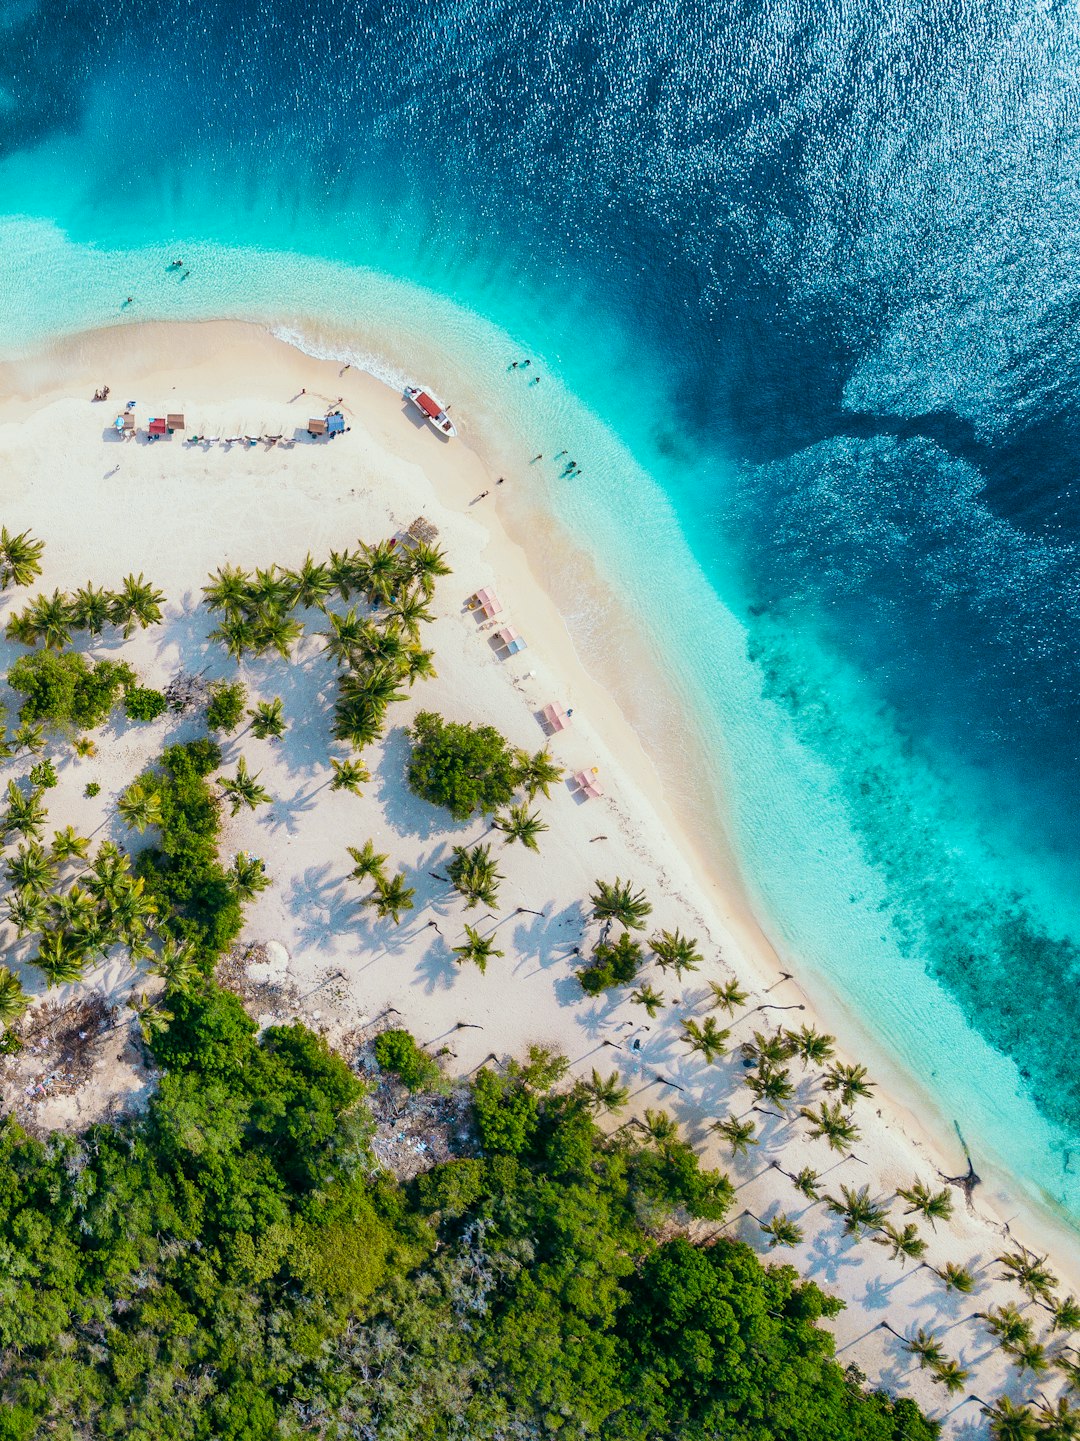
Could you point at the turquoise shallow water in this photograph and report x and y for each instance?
(800, 284)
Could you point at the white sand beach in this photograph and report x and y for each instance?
(174, 511)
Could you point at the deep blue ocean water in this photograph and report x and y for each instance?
(805, 279)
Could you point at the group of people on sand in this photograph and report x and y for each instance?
(102, 393)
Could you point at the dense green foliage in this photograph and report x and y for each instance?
(64, 689)
(397, 1052)
(144, 704)
(196, 896)
(226, 706)
(232, 1265)
(466, 768)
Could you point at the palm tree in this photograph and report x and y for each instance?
(13, 999)
(848, 1082)
(268, 590)
(653, 1001)
(68, 845)
(370, 864)
(84, 747)
(391, 897)
(1059, 1420)
(50, 619)
(782, 1231)
(267, 720)
(475, 875)
(772, 1084)
(672, 948)
(311, 584)
(27, 912)
(537, 773)
(1030, 1272)
(739, 1134)
(424, 563)
(91, 608)
(349, 775)
(419, 664)
(620, 902)
(59, 957)
(1066, 1314)
(926, 1348)
(28, 737)
(385, 644)
(340, 569)
(30, 869)
(858, 1210)
(248, 876)
(1029, 1356)
(606, 1093)
(140, 807)
(520, 825)
(728, 995)
(151, 1016)
(277, 631)
(357, 721)
(951, 1375)
(377, 686)
(176, 965)
(1007, 1323)
(807, 1182)
(25, 815)
(410, 612)
(227, 590)
(810, 1045)
(477, 948)
(379, 564)
(244, 790)
(661, 1127)
(1009, 1422)
(765, 1049)
(904, 1243)
(237, 633)
(934, 1205)
(20, 558)
(137, 603)
(706, 1039)
(957, 1278)
(344, 636)
(830, 1123)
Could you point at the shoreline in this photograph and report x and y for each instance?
(514, 560)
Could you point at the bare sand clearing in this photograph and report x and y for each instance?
(175, 511)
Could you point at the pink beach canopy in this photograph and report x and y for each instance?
(587, 783)
(488, 602)
(556, 717)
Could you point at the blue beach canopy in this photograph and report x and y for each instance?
(335, 424)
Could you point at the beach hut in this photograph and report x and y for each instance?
(588, 785)
(129, 423)
(555, 718)
(174, 420)
(157, 426)
(316, 426)
(509, 639)
(488, 602)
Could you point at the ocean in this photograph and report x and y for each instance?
(801, 286)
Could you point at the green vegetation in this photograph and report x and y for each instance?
(225, 708)
(196, 898)
(51, 619)
(143, 704)
(65, 690)
(398, 1053)
(464, 768)
(614, 964)
(20, 558)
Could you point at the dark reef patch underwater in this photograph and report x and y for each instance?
(826, 260)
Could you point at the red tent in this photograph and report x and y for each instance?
(158, 426)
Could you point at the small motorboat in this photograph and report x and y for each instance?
(433, 411)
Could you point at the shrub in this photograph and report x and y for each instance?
(506, 1113)
(465, 768)
(64, 689)
(611, 965)
(397, 1052)
(143, 704)
(226, 708)
(43, 775)
(91, 790)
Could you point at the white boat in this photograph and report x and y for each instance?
(433, 411)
